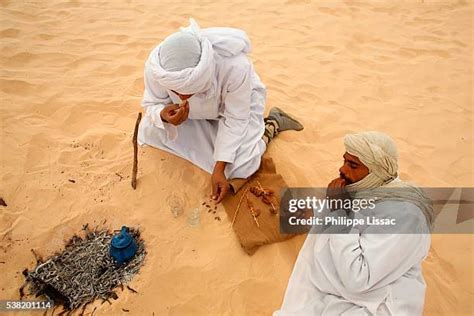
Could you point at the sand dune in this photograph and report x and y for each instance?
(71, 84)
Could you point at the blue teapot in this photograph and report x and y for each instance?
(123, 247)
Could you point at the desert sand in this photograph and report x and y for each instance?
(71, 85)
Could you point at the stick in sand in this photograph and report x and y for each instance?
(135, 152)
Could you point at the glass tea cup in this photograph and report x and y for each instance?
(176, 203)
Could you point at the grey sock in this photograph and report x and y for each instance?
(271, 130)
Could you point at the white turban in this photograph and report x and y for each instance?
(179, 66)
(378, 152)
(180, 50)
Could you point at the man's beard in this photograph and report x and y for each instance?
(348, 181)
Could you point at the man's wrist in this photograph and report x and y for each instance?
(220, 166)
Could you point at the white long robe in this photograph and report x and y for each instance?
(225, 127)
(362, 273)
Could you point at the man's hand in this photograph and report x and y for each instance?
(174, 114)
(336, 191)
(220, 185)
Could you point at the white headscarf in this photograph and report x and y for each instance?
(174, 64)
(180, 50)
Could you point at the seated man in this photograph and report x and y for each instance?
(204, 102)
(365, 271)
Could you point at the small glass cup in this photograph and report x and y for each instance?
(176, 204)
(194, 217)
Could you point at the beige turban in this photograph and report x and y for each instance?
(378, 152)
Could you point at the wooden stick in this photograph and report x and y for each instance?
(273, 207)
(135, 152)
(238, 206)
(256, 220)
(252, 211)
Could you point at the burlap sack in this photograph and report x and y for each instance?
(250, 236)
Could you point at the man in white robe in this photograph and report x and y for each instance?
(365, 271)
(204, 102)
